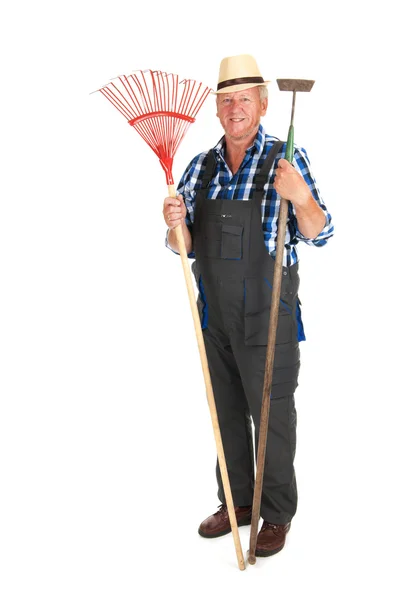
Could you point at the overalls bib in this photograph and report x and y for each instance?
(234, 274)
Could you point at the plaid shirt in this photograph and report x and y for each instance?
(240, 186)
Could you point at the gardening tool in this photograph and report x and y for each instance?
(161, 111)
(286, 85)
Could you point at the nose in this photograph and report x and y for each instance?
(236, 105)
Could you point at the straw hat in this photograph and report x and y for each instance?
(238, 73)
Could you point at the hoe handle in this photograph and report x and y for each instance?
(209, 390)
(269, 366)
(269, 361)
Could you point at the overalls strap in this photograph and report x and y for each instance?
(261, 177)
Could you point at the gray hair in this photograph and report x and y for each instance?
(263, 92)
(263, 89)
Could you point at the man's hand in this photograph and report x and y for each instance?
(290, 184)
(174, 211)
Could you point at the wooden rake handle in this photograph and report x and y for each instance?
(269, 366)
(209, 390)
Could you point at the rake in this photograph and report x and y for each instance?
(161, 108)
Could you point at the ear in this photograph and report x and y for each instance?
(264, 106)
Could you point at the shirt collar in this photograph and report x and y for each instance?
(255, 149)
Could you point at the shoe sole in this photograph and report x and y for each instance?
(265, 553)
(246, 521)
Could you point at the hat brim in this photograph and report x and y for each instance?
(239, 87)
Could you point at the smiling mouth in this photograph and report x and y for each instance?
(237, 120)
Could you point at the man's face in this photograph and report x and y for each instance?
(240, 112)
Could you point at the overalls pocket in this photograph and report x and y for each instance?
(257, 306)
(212, 239)
(231, 243)
(222, 241)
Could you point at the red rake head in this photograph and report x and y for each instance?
(159, 107)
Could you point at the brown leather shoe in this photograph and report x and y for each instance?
(271, 538)
(218, 523)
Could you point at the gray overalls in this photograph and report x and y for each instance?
(234, 274)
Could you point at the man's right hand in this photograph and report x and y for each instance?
(174, 211)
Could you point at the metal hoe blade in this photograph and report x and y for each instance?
(295, 85)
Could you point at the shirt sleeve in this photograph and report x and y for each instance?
(187, 187)
(302, 165)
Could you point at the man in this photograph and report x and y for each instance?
(228, 204)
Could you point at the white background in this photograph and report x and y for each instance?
(106, 445)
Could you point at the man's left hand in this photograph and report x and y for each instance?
(290, 184)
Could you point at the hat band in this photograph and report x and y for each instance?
(239, 81)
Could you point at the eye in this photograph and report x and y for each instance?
(226, 101)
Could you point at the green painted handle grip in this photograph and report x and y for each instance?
(290, 145)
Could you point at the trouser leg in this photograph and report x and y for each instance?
(279, 493)
(234, 421)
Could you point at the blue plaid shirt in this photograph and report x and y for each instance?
(240, 186)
